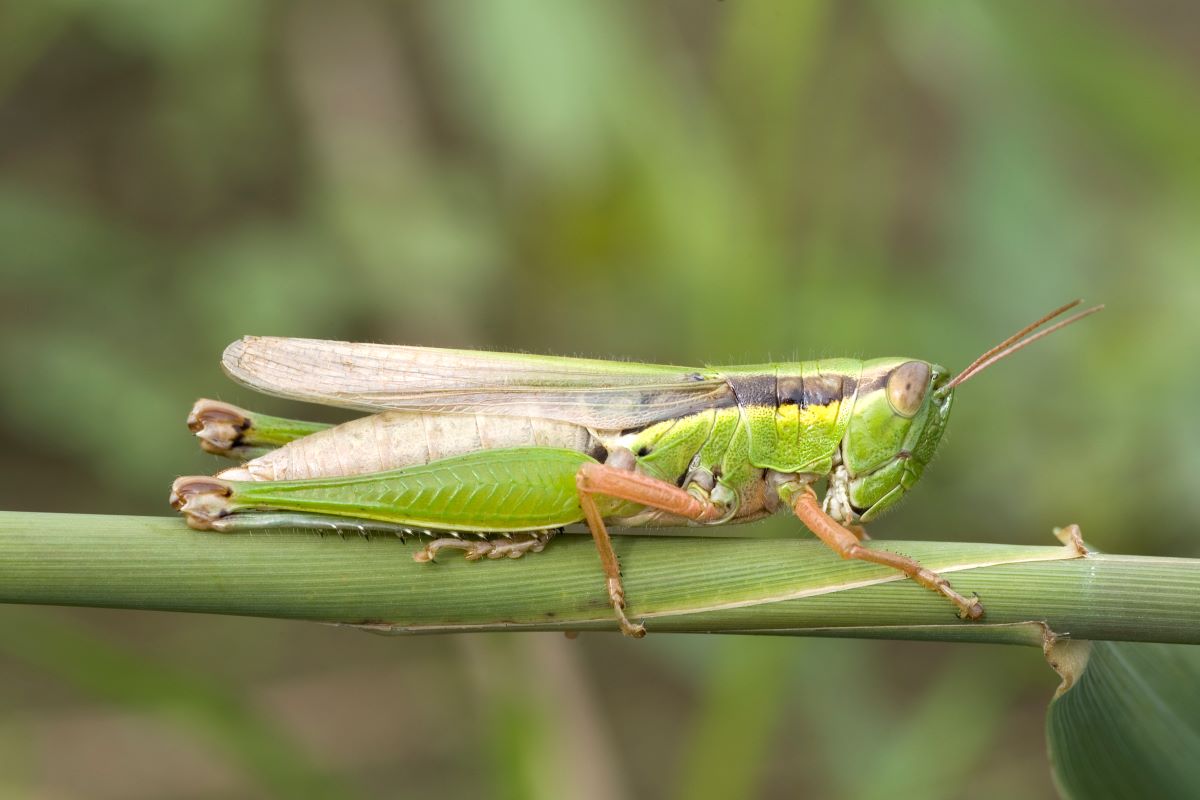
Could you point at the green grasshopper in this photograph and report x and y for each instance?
(512, 448)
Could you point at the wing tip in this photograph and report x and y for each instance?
(252, 360)
(231, 357)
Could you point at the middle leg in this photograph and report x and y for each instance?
(602, 479)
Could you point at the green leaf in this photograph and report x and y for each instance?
(1126, 720)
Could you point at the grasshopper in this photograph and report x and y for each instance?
(494, 453)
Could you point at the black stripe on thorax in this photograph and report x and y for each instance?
(755, 390)
(773, 390)
(873, 381)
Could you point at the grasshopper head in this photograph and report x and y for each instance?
(898, 420)
(901, 412)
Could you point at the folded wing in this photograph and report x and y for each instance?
(605, 395)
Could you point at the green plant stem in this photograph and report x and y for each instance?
(684, 584)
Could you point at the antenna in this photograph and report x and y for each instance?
(1014, 343)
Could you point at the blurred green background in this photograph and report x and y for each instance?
(676, 182)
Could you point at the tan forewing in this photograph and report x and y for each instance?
(606, 395)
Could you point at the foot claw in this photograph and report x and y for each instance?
(634, 630)
(616, 597)
(428, 553)
(970, 609)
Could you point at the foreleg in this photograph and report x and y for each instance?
(845, 543)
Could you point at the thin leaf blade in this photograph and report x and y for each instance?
(1128, 725)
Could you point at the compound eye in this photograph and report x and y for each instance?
(906, 387)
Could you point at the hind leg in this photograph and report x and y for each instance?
(511, 546)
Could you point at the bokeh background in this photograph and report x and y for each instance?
(676, 182)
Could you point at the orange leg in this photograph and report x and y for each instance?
(600, 479)
(845, 543)
(859, 532)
